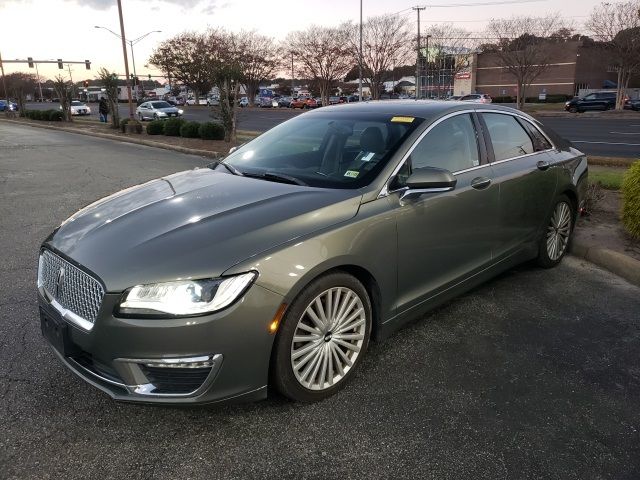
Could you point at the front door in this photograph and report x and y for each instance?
(445, 237)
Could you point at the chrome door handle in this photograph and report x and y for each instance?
(543, 165)
(480, 183)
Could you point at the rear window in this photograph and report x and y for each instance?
(508, 137)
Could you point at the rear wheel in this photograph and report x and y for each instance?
(323, 338)
(557, 234)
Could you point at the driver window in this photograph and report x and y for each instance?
(451, 145)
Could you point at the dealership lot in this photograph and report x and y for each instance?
(534, 375)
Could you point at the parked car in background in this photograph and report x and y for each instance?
(632, 104)
(192, 101)
(243, 102)
(284, 102)
(353, 98)
(592, 101)
(476, 98)
(213, 100)
(303, 103)
(318, 101)
(78, 108)
(272, 269)
(157, 110)
(267, 102)
(8, 106)
(453, 98)
(335, 100)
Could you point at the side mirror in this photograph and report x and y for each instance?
(428, 180)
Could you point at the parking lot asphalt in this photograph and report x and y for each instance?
(536, 374)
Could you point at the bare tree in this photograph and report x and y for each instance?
(322, 55)
(386, 42)
(618, 26)
(63, 90)
(185, 57)
(225, 51)
(524, 47)
(259, 60)
(450, 49)
(110, 83)
(20, 84)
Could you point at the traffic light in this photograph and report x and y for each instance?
(30, 61)
(87, 64)
(60, 66)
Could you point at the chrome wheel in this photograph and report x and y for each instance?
(328, 338)
(559, 231)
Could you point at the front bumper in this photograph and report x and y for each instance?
(222, 356)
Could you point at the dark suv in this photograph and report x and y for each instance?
(592, 101)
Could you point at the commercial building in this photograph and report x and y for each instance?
(575, 65)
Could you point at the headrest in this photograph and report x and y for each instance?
(371, 140)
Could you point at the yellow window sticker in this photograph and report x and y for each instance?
(351, 173)
(403, 119)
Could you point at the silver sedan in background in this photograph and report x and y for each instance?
(157, 109)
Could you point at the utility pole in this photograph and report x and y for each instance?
(73, 88)
(126, 61)
(417, 9)
(39, 84)
(360, 59)
(4, 84)
(292, 74)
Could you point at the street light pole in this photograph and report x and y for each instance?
(39, 83)
(360, 59)
(126, 61)
(73, 89)
(4, 83)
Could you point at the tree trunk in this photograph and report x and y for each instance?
(523, 96)
(251, 87)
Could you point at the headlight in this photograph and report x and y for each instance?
(180, 111)
(185, 297)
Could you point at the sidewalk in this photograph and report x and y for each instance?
(601, 239)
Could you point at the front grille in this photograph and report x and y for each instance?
(175, 380)
(72, 288)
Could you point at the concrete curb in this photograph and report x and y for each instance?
(618, 263)
(118, 138)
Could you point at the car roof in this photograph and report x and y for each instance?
(427, 109)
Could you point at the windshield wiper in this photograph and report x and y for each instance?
(229, 167)
(277, 177)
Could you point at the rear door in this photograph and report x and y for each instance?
(523, 168)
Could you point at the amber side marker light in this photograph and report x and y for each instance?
(275, 323)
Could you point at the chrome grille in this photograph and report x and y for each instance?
(74, 289)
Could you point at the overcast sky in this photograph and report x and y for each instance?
(50, 29)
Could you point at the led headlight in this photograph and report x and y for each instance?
(185, 297)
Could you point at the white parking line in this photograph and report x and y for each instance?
(626, 133)
(607, 143)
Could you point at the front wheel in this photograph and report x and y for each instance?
(323, 338)
(155, 116)
(557, 234)
(140, 117)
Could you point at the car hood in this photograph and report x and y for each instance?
(193, 224)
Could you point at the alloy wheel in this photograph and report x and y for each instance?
(328, 338)
(559, 231)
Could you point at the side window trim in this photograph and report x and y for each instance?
(531, 131)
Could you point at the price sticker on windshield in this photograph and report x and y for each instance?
(351, 173)
(403, 119)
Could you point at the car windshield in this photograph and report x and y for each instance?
(77, 104)
(325, 149)
(160, 105)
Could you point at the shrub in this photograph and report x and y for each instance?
(125, 121)
(55, 115)
(35, 115)
(190, 130)
(172, 127)
(156, 127)
(631, 200)
(503, 99)
(123, 124)
(211, 131)
(592, 198)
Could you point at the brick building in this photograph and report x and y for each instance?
(574, 66)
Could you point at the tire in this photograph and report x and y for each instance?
(325, 362)
(573, 109)
(556, 234)
(155, 116)
(606, 107)
(140, 117)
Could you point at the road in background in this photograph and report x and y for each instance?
(533, 375)
(619, 137)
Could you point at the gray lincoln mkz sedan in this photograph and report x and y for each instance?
(278, 265)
